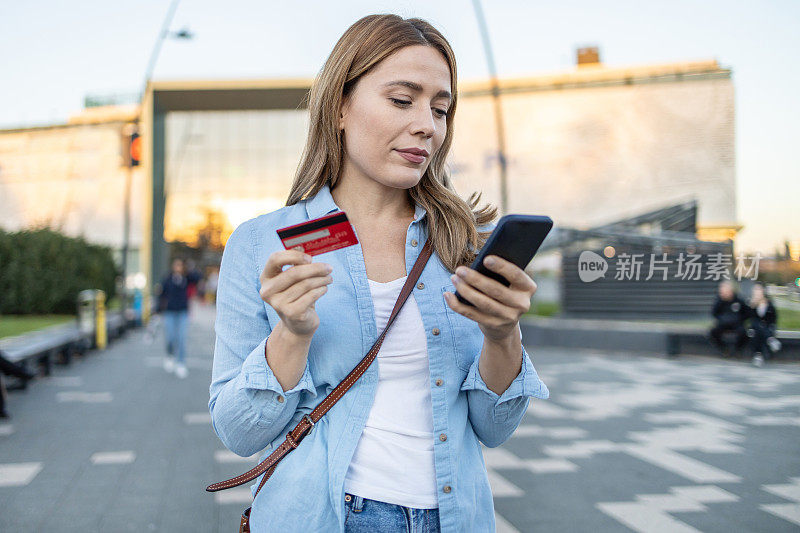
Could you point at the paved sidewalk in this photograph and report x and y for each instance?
(625, 443)
(114, 443)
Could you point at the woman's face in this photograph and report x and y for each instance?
(400, 104)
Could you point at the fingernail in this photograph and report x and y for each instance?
(489, 261)
(307, 257)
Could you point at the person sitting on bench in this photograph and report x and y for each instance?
(730, 313)
(763, 321)
(11, 369)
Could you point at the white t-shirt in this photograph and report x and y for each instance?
(393, 461)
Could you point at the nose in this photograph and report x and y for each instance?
(424, 122)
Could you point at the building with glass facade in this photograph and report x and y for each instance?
(586, 146)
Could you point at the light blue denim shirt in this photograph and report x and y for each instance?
(251, 412)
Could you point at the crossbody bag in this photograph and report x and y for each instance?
(306, 424)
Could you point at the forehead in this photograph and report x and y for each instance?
(421, 65)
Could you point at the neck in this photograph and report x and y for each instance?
(364, 199)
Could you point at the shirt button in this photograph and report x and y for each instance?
(420, 285)
(442, 437)
(446, 488)
(435, 331)
(280, 398)
(413, 242)
(439, 382)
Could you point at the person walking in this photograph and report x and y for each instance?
(174, 305)
(401, 449)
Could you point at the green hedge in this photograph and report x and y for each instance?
(42, 271)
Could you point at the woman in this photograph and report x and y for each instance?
(763, 320)
(401, 449)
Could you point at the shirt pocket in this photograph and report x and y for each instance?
(462, 330)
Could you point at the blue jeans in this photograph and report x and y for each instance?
(372, 516)
(175, 324)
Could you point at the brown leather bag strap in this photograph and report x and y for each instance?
(305, 425)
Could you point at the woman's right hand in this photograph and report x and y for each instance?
(294, 291)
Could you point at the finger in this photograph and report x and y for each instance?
(510, 296)
(486, 304)
(517, 277)
(300, 288)
(306, 301)
(486, 285)
(473, 313)
(278, 260)
(292, 276)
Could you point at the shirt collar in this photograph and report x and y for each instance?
(322, 203)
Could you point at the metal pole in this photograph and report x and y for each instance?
(498, 112)
(126, 230)
(151, 65)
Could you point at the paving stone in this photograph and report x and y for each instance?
(626, 442)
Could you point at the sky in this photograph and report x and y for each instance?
(54, 53)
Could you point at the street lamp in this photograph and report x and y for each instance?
(162, 35)
(151, 65)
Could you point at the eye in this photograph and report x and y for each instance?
(441, 112)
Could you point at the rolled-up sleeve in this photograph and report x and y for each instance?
(494, 416)
(248, 406)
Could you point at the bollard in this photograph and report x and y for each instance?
(145, 308)
(87, 316)
(100, 329)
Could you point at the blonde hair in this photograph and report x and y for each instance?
(452, 222)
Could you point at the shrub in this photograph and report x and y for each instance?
(42, 271)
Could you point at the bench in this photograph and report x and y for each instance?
(44, 345)
(633, 336)
(694, 339)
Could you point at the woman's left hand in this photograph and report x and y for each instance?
(497, 307)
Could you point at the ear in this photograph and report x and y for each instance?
(343, 108)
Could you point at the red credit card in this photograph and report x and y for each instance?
(320, 235)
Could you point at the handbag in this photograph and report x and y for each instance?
(306, 424)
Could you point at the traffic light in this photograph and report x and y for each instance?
(134, 150)
(131, 149)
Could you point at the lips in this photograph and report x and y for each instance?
(415, 155)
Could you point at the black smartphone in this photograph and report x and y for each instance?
(516, 238)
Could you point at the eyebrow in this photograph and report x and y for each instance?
(418, 88)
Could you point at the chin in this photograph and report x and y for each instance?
(400, 180)
(409, 177)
